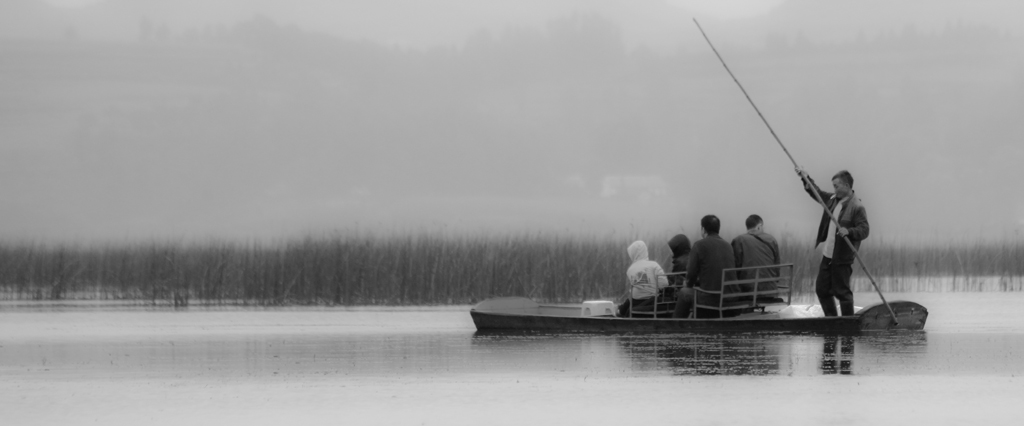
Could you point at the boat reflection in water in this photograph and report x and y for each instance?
(705, 354)
(701, 354)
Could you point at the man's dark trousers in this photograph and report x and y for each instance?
(834, 280)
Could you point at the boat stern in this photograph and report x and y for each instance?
(909, 316)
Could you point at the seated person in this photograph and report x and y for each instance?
(641, 275)
(710, 255)
(756, 248)
(680, 246)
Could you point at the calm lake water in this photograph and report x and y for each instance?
(81, 364)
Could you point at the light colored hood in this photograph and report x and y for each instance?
(637, 251)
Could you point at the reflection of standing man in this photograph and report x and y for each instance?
(837, 257)
(845, 356)
(756, 248)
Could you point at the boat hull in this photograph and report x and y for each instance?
(526, 317)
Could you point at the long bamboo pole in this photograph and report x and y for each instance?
(803, 175)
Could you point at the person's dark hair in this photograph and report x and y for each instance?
(710, 223)
(845, 176)
(753, 220)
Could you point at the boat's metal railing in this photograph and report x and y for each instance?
(747, 297)
(659, 296)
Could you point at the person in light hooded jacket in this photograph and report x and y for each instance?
(646, 278)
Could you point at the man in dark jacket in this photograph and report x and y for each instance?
(756, 248)
(837, 256)
(708, 258)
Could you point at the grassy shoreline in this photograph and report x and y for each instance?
(428, 269)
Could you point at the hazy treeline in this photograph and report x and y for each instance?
(416, 269)
(222, 123)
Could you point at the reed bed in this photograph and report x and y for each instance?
(432, 269)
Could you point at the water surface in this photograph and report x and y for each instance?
(77, 364)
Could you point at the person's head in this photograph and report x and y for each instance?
(754, 222)
(680, 245)
(842, 182)
(710, 224)
(637, 251)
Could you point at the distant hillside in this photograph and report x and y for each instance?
(261, 126)
(426, 23)
(403, 22)
(838, 20)
(29, 19)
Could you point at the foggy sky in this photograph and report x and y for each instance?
(156, 119)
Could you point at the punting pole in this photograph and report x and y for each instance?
(803, 176)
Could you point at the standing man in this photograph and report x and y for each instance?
(708, 258)
(756, 248)
(837, 257)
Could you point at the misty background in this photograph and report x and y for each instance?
(151, 119)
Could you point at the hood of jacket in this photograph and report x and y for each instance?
(637, 251)
(680, 245)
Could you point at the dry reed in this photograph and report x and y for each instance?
(426, 269)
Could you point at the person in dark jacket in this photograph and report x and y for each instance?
(707, 259)
(680, 246)
(833, 281)
(756, 248)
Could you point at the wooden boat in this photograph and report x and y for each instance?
(750, 301)
(522, 314)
